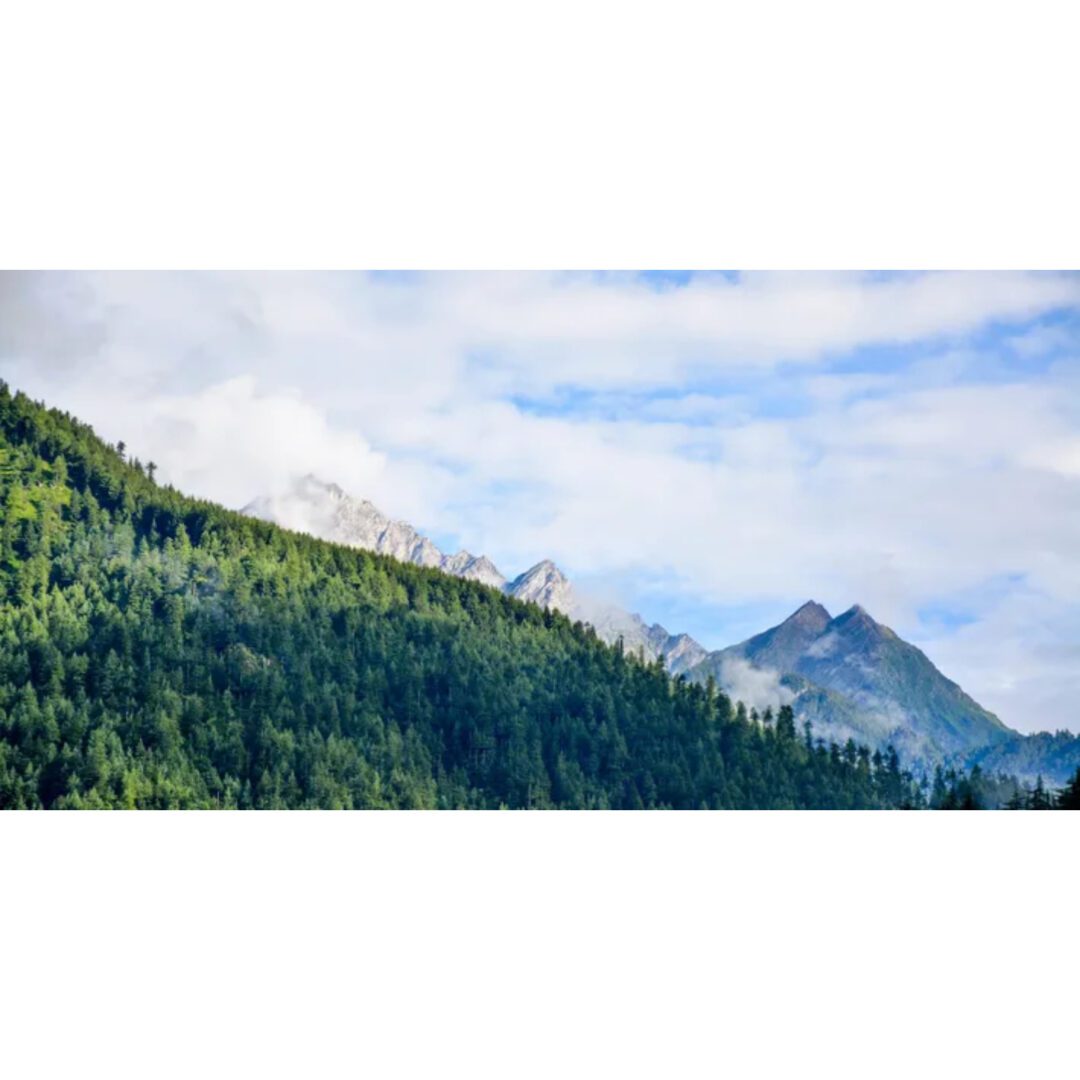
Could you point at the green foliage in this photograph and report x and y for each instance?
(1039, 797)
(158, 651)
(1069, 797)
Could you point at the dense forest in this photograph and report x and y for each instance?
(157, 651)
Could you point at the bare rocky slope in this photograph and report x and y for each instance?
(323, 510)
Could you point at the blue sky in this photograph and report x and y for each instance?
(708, 449)
(995, 353)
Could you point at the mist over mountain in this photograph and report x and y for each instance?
(325, 511)
(850, 676)
(853, 678)
(162, 652)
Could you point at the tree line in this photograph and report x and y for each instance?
(158, 651)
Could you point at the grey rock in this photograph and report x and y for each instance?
(312, 506)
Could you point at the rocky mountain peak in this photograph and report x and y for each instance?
(858, 620)
(811, 616)
(545, 572)
(547, 567)
(323, 509)
(854, 678)
(547, 585)
(474, 567)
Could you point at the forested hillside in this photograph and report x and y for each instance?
(157, 651)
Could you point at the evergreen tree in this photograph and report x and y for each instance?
(160, 651)
(1069, 797)
(1040, 797)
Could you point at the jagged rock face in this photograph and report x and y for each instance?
(681, 653)
(324, 510)
(474, 567)
(783, 646)
(545, 584)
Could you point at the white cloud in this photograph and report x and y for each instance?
(893, 489)
(1041, 340)
(237, 441)
(534, 331)
(757, 688)
(1020, 658)
(1059, 455)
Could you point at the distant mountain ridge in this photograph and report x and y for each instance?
(162, 652)
(852, 677)
(324, 510)
(849, 675)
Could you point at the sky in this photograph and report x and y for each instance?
(708, 449)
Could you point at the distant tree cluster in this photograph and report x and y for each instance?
(158, 651)
(1039, 797)
(953, 789)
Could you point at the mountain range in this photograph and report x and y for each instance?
(849, 676)
(159, 651)
(854, 678)
(324, 510)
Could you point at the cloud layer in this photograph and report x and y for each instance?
(713, 451)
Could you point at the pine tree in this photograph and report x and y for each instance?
(160, 651)
(1040, 798)
(1069, 796)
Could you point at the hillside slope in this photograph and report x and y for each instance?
(157, 651)
(852, 677)
(325, 511)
